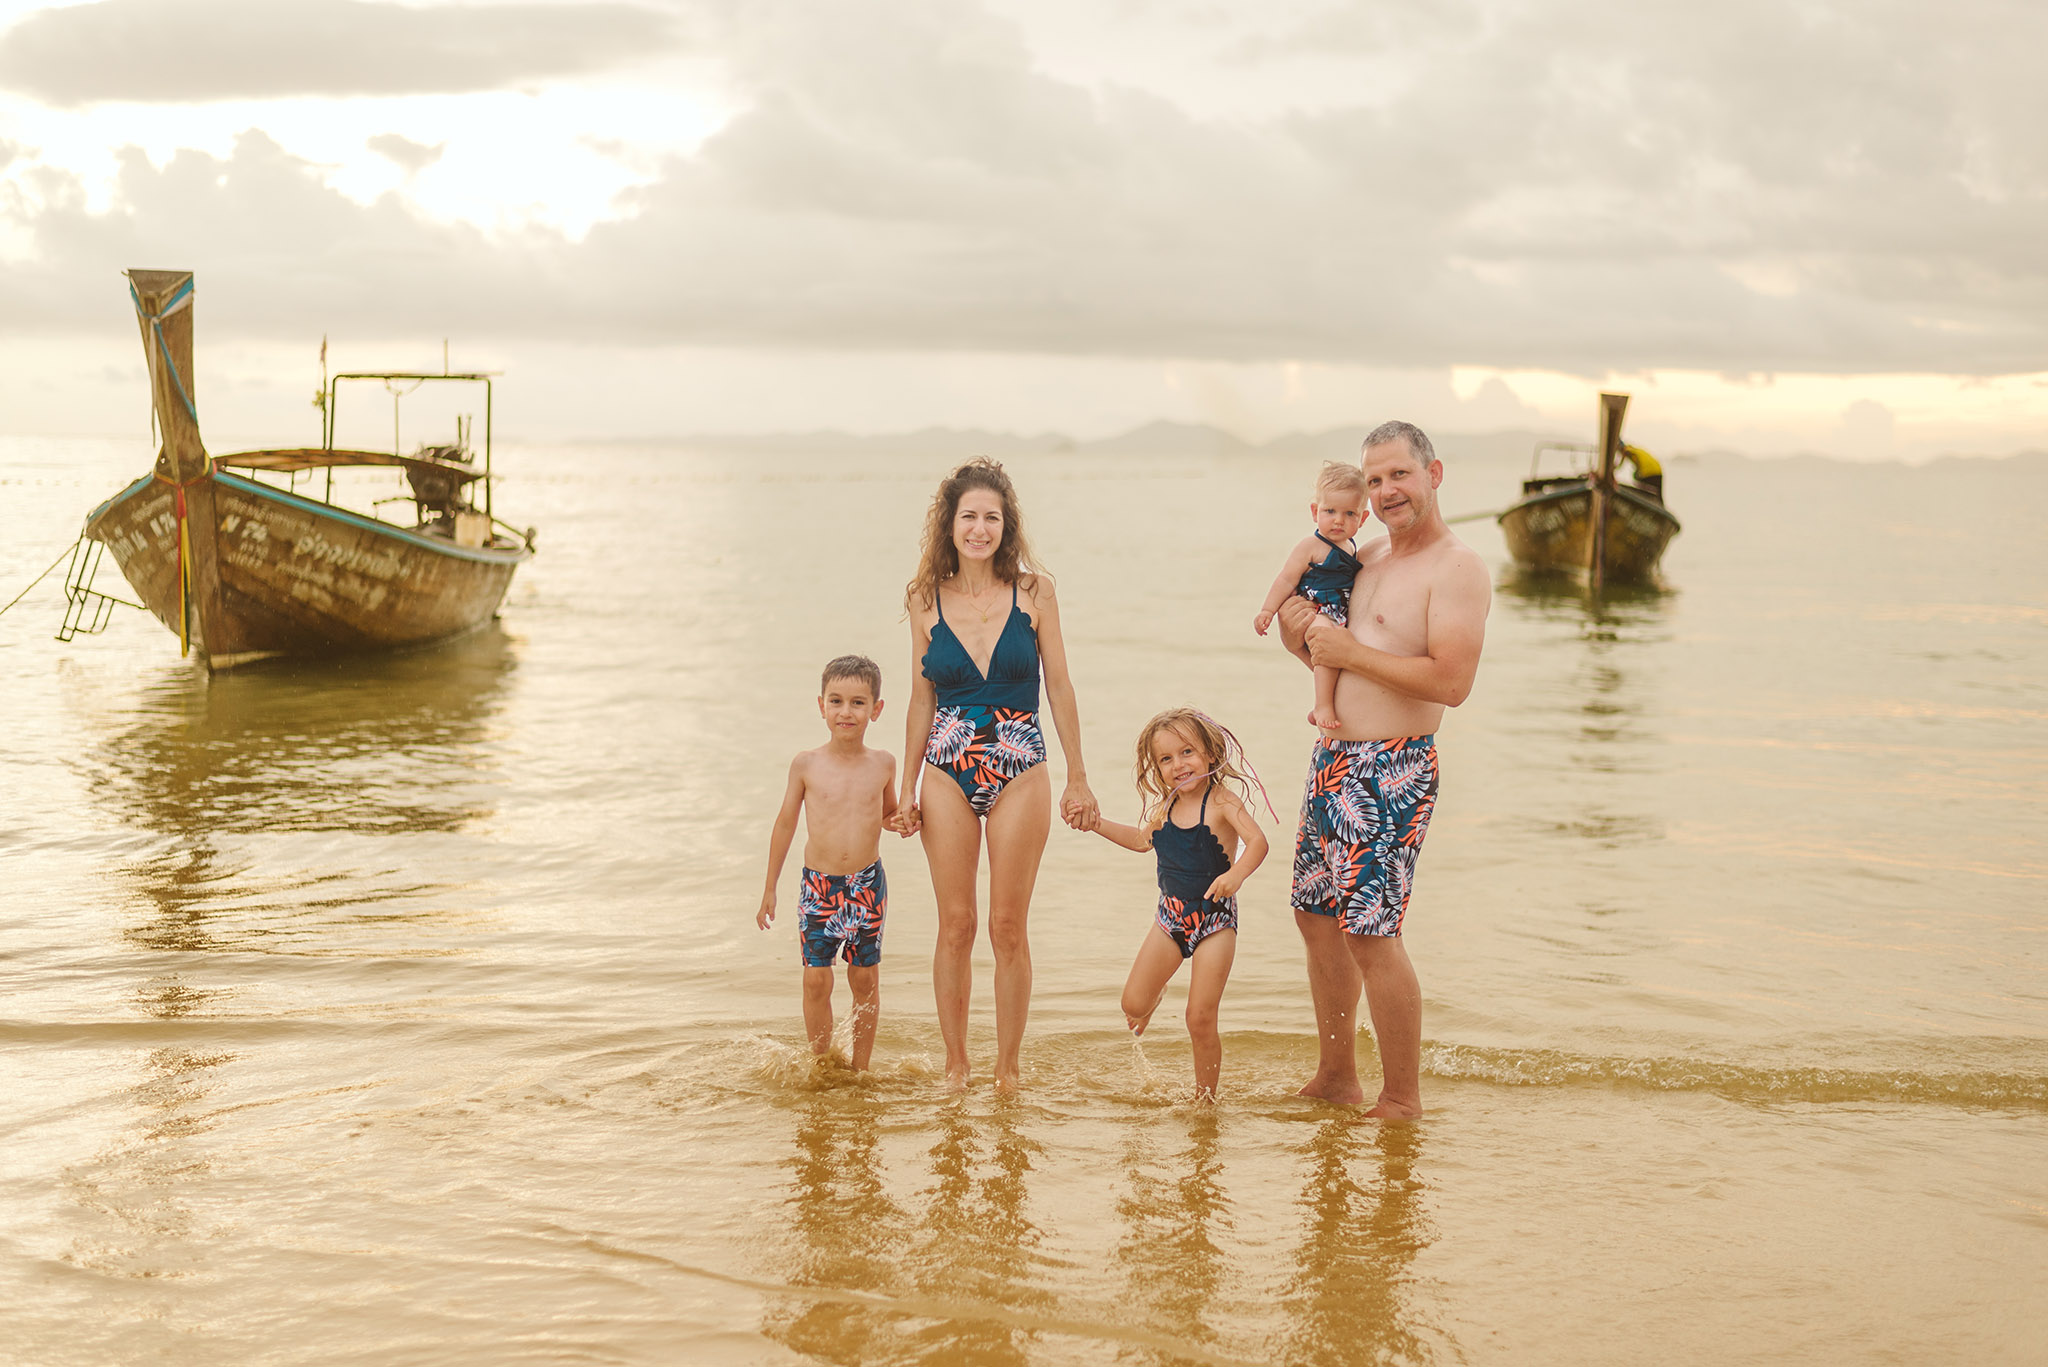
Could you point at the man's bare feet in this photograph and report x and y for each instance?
(1340, 1091)
(1387, 1109)
(956, 1079)
(1007, 1083)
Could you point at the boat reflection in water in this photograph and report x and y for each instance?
(377, 744)
(373, 746)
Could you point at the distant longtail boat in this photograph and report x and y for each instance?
(1588, 522)
(240, 569)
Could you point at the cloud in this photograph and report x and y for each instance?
(183, 51)
(404, 153)
(1587, 186)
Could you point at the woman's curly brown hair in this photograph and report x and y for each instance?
(938, 559)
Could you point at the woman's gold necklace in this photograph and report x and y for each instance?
(974, 601)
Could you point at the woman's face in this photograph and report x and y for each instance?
(978, 525)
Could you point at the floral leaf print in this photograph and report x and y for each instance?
(1404, 775)
(1353, 814)
(952, 733)
(1018, 745)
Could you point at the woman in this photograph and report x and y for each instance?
(982, 622)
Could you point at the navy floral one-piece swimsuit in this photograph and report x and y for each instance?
(985, 731)
(1190, 858)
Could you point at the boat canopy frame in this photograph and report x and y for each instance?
(331, 395)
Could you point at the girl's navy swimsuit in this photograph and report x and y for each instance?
(1327, 583)
(1190, 858)
(985, 731)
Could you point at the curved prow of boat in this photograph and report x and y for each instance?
(1587, 521)
(241, 569)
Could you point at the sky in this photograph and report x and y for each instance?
(1782, 227)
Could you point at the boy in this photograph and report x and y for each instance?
(846, 792)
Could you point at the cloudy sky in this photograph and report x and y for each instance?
(1781, 226)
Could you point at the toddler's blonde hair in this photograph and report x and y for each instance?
(1340, 477)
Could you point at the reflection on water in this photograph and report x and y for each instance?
(134, 1215)
(975, 1241)
(847, 1231)
(1361, 1226)
(1174, 1213)
(966, 1259)
(388, 743)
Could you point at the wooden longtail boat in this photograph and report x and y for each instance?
(241, 569)
(1587, 521)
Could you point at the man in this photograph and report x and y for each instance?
(1418, 618)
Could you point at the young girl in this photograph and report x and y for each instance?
(1323, 578)
(1207, 845)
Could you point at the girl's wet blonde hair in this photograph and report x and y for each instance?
(1226, 757)
(938, 558)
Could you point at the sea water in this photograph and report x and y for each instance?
(412, 1010)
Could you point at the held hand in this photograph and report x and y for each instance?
(1324, 641)
(1078, 807)
(908, 819)
(766, 914)
(1261, 620)
(1296, 614)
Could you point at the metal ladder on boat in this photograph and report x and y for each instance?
(86, 610)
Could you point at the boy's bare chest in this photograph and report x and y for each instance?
(844, 786)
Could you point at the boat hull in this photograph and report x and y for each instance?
(299, 577)
(1552, 532)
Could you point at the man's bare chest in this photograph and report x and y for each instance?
(1390, 608)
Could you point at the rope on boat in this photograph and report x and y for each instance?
(62, 556)
(1472, 517)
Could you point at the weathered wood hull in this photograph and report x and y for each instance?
(1552, 531)
(299, 577)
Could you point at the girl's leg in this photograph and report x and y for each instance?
(818, 1008)
(952, 847)
(1158, 960)
(1325, 713)
(1208, 973)
(867, 1009)
(1017, 827)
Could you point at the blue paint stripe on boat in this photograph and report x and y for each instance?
(420, 539)
(318, 509)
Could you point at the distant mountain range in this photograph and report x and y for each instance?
(1188, 439)
(1152, 439)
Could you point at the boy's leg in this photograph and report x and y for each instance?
(818, 1008)
(1158, 960)
(867, 1008)
(1325, 714)
(1208, 971)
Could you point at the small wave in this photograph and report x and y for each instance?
(1736, 1082)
